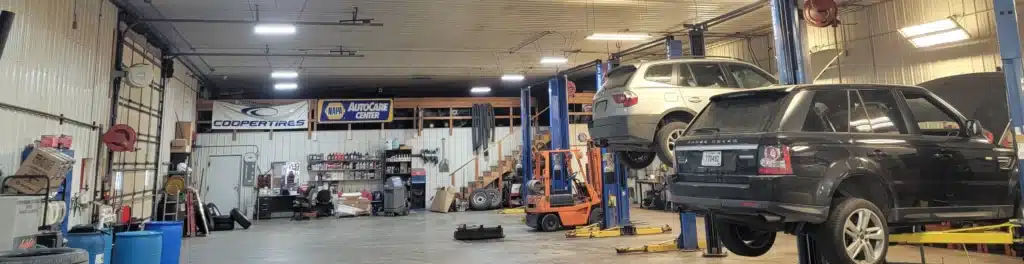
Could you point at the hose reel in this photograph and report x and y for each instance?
(120, 138)
(821, 13)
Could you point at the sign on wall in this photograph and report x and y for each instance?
(355, 110)
(249, 116)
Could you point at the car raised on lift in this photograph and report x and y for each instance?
(848, 164)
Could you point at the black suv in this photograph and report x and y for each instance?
(853, 161)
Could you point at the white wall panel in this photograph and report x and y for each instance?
(179, 105)
(54, 66)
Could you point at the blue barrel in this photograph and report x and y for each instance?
(137, 247)
(172, 239)
(96, 243)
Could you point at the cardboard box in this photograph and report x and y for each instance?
(184, 130)
(43, 162)
(443, 199)
(181, 146)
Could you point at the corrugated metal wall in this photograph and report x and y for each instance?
(179, 105)
(58, 63)
(877, 53)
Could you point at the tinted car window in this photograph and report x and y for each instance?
(829, 112)
(709, 75)
(619, 77)
(883, 114)
(685, 76)
(748, 77)
(659, 73)
(930, 118)
(738, 114)
(860, 122)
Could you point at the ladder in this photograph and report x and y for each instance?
(170, 206)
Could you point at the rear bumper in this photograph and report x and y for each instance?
(781, 198)
(625, 132)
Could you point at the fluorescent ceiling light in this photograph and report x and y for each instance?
(553, 60)
(274, 29)
(619, 36)
(286, 86)
(284, 74)
(480, 89)
(928, 28)
(512, 77)
(940, 38)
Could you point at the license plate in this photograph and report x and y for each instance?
(711, 159)
(600, 106)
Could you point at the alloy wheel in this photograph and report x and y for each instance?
(863, 236)
(672, 137)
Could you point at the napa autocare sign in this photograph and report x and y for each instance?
(355, 110)
(252, 116)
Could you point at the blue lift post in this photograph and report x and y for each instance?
(789, 56)
(559, 128)
(1008, 32)
(525, 115)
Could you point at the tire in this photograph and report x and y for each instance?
(45, 256)
(212, 210)
(550, 223)
(496, 200)
(479, 199)
(637, 160)
(239, 218)
(665, 141)
(867, 227)
(596, 216)
(743, 240)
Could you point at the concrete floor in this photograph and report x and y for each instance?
(425, 237)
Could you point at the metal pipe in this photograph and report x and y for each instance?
(659, 41)
(222, 21)
(735, 13)
(60, 118)
(220, 54)
(579, 67)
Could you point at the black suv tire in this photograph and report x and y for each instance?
(636, 159)
(665, 141)
(745, 241)
(868, 228)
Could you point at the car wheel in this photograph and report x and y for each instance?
(480, 199)
(550, 222)
(666, 141)
(495, 201)
(596, 216)
(743, 240)
(855, 232)
(637, 160)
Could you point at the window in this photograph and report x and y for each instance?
(748, 77)
(659, 73)
(883, 114)
(709, 75)
(746, 113)
(829, 112)
(931, 119)
(619, 77)
(685, 76)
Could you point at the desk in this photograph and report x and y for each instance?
(274, 206)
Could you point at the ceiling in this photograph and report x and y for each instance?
(422, 45)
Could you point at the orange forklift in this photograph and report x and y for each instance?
(548, 209)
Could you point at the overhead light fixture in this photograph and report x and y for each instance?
(480, 89)
(274, 29)
(286, 86)
(284, 74)
(940, 38)
(512, 77)
(935, 33)
(928, 28)
(553, 60)
(619, 36)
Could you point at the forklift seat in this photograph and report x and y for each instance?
(559, 200)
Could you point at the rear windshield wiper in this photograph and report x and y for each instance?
(706, 130)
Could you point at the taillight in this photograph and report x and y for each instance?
(626, 99)
(775, 160)
(990, 137)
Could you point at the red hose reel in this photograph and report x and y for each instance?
(821, 13)
(120, 138)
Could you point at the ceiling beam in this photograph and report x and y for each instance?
(253, 22)
(256, 54)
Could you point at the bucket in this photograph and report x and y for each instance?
(171, 250)
(137, 247)
(98, 245)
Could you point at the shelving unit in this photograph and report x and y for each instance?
(398, 162)
(337, 169)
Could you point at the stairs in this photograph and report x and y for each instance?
(490, 177)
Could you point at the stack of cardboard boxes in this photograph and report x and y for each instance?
(47, 162)
(184, 133)
(357, 202)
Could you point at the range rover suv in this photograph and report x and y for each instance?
(641, 109)
(846, 163)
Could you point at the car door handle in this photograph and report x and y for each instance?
(943, 155)
(877, 153)
(694, 99)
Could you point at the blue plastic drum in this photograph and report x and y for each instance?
(96, 243)
(171, 239)
(137, 247)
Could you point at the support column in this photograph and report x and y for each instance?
(1008, 32)
(559, 127)
(525, 114)
(788, 41)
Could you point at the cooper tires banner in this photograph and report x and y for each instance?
(261, 117)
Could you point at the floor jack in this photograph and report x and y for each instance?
(614, 202)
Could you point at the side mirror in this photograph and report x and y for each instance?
(973, 128)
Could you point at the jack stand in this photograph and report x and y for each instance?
(807, 248)
(714, 248)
